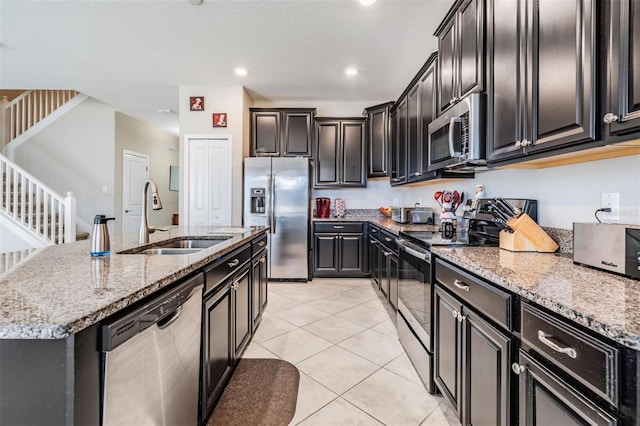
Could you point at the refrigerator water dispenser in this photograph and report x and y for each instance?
(257, 200)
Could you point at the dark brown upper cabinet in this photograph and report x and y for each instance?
(378, 136)
(621, 115)
(341, 154)
(461, 52)
(541, 76)
(284, 132)
(412, 113)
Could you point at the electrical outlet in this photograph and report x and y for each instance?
(611, 200)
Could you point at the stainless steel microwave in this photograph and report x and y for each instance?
(457, 137)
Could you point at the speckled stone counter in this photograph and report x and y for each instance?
(605, 303)
(60, 290)
(385, 222)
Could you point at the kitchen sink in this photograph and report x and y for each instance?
(170, 251)
(184, 246)
(192, 243)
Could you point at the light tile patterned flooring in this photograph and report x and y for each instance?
(353, 370)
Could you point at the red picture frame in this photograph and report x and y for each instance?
(220, 119)
(196, 103)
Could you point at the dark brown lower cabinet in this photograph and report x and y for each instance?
(337, 253)
(472, 362)
(217, 348)
(258, 288)
(242, 318)
(546, 399)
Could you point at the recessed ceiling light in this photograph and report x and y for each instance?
(367, 2)
(351, 71)
(241, 71)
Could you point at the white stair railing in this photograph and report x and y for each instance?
(35, 207)
(28, 109)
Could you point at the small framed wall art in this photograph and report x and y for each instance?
(219, 119)
(196, 103)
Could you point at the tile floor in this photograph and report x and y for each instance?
(353, 369)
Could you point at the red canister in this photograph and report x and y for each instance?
(323, 205)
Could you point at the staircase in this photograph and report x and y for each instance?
(29, 113)
(28, 207)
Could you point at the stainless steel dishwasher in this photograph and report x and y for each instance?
(151, 360)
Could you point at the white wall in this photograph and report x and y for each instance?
(75, 153)
(235, 102)
(163, 151)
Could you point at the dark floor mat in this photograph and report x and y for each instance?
(260, 392)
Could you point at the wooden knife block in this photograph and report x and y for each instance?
(528, 236)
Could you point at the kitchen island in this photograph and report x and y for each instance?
(54, 302)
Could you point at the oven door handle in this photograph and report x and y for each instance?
(415, 253)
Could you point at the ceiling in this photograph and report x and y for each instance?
(135, 54)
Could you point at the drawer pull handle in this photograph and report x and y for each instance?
(233, 263)
(261, 244)
(544, 338)
(461, 285)
(387, 239)
(387, 253)
(338, 227)
(372, 241)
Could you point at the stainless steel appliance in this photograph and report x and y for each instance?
(422, 215)
(607, 246)
(151, 360)
(284, 185)
(400, 214)
(457, 137)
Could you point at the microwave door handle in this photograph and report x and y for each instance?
(452, 151)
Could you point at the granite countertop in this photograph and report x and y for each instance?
(606, 303)
(60, 290)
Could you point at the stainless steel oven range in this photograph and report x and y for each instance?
(415, 293)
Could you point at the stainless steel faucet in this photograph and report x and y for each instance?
(156, 204)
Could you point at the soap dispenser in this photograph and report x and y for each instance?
(100, 238)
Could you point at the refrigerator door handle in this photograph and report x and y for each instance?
(272, 194)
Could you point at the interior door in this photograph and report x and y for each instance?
(135, 171)
(209, 176)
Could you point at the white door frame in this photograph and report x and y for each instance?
(184, 171)
(126, 152)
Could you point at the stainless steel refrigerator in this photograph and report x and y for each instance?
(276, 194)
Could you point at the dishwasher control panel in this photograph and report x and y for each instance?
(159, 309)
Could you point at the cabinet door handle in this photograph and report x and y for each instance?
(461, 285)
(387, 253)
(610, 118)
(525, 142)
(517, 368)
(545, 339)
(518, 144)
(233, 263)
(263, 260)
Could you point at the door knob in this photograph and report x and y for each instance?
(127, 211)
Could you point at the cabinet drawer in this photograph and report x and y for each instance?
(389, 240)
(374, 231)
(258, 244)
(226, 266)
(339, 227)
(589, 360)
(484, 297)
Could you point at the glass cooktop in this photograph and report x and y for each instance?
(427, 239)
